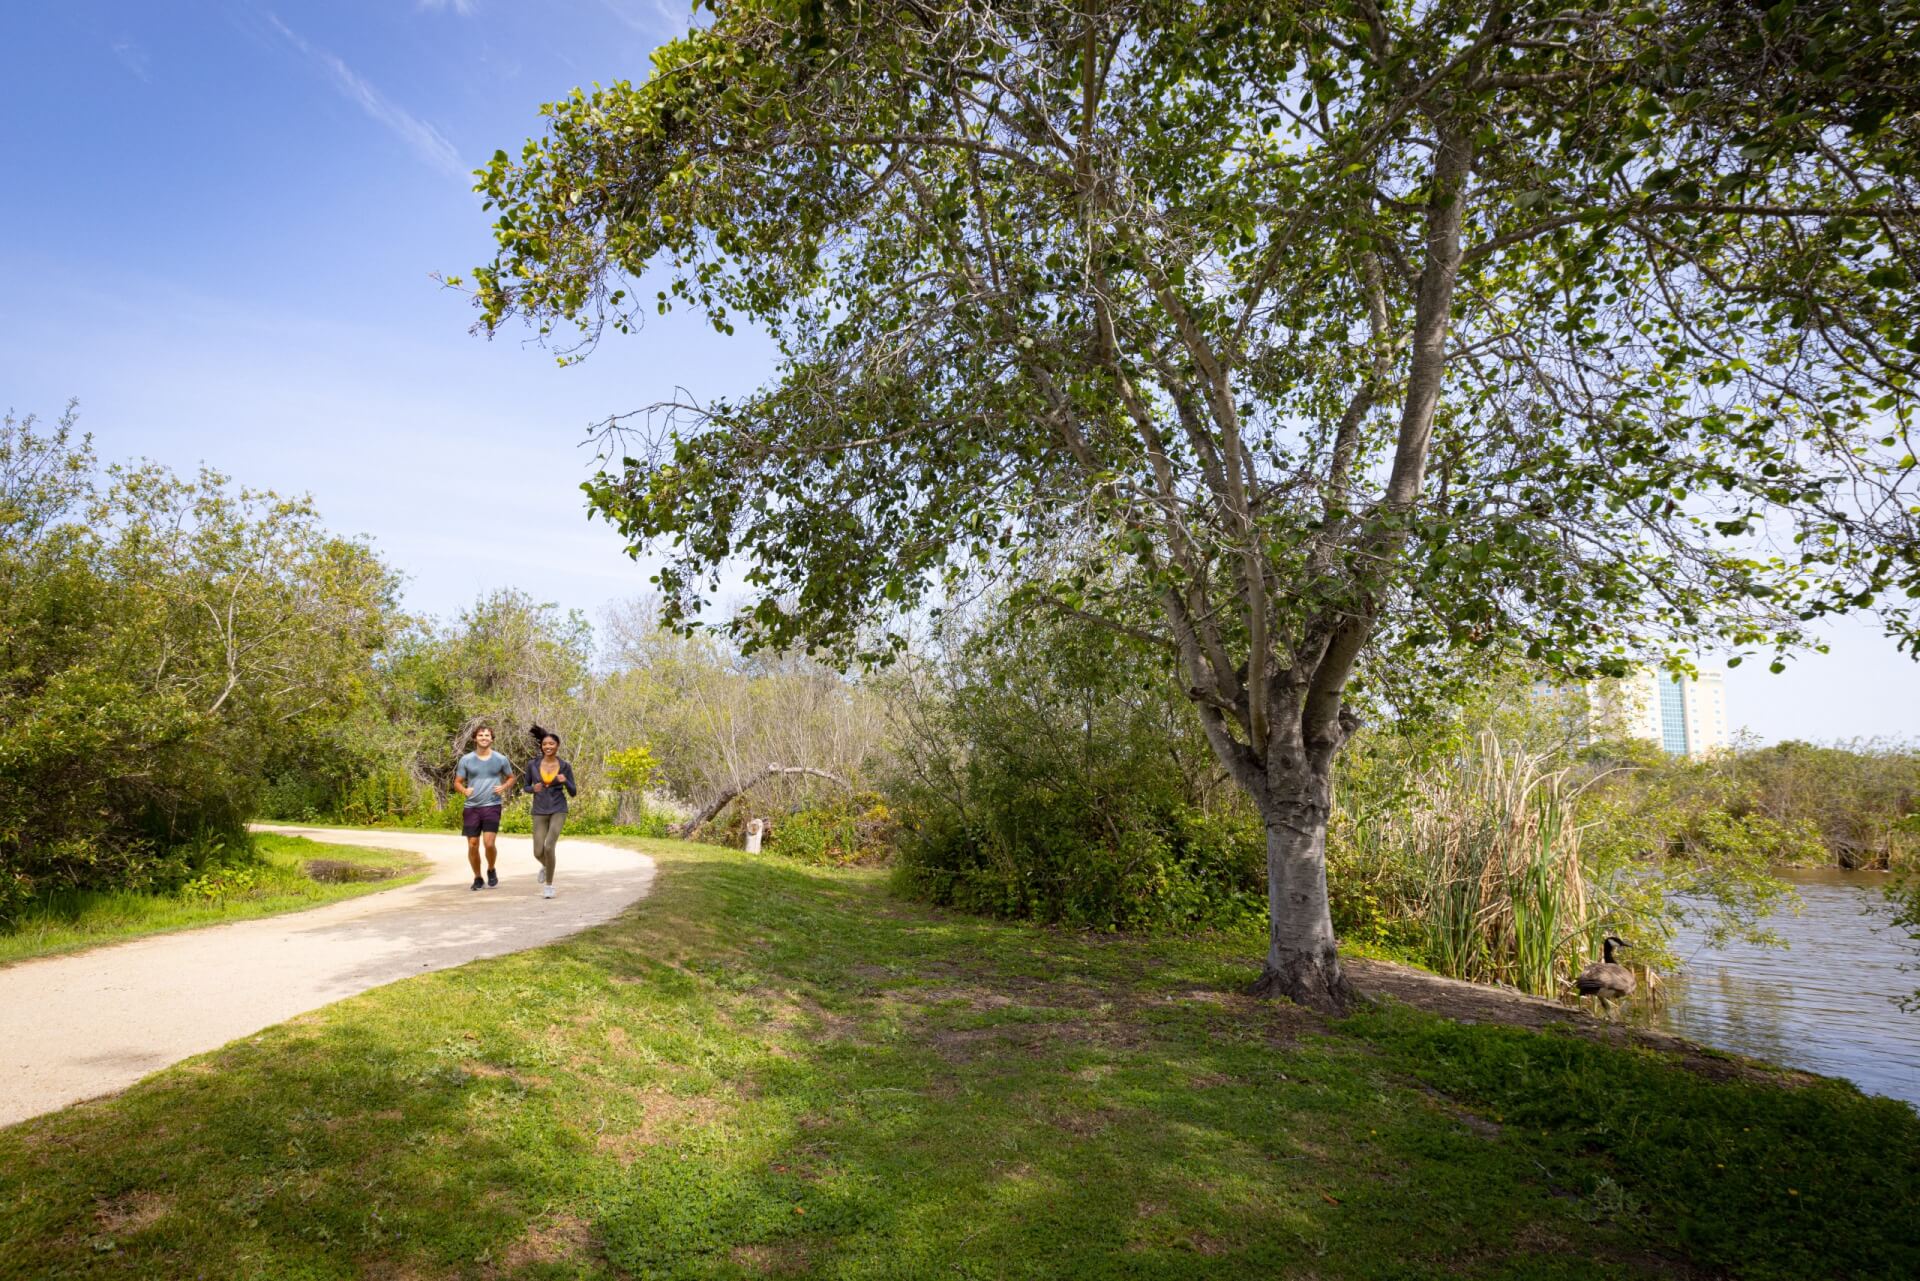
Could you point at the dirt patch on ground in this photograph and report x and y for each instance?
(1480, 1003)
(661, 1116)
(393, 1270)
(132, 1212)
(494, 1072)
(794, 1012)
(972, 996)
(562, 1239)
(780, 1259)
(1211, 1246)
(966, 1044)
(1084, 1123)
(1035, 1039)
(1282, 1023)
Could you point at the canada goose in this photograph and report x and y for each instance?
(1605, 979)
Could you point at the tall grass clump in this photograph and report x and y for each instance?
(1501, 895)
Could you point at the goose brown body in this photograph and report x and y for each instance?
(1604, 978)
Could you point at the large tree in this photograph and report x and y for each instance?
(1272, 333)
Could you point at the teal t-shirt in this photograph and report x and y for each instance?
(482, 776)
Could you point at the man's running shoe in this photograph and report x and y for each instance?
(493, 878)
(479, 884)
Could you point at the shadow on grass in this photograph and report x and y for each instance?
(770, 1070)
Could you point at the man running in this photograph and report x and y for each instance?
(483, 777)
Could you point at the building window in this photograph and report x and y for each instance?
(1673, 716)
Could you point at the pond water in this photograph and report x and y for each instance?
(1823, 1003)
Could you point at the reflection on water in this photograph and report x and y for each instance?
(1822, 1003)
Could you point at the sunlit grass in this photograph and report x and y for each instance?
(766, 1069)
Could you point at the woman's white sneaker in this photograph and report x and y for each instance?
(547, 893)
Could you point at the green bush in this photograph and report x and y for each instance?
(1061, 777)
(838, 832)
(162, 635)
(1118, 863)
(1860, 800)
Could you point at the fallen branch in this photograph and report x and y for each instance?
(727, 795)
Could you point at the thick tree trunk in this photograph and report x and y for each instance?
(1303, 963)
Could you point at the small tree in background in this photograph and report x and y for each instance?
(630, 771)
(1268, 333)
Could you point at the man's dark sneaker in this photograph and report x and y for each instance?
(493, 878)
(479, 884)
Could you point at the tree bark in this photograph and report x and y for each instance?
(1303, 961)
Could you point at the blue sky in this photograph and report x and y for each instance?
(219, 223)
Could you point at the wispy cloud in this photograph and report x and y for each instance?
(426, 142)
(462, 7)
(651, 17)
(629, 14)
(676, 16)
(132, 57)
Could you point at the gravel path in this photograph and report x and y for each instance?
(75, 1027)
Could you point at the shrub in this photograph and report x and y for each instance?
(1857, 799)
(1058, 775)
(851, 829)
(162, 635)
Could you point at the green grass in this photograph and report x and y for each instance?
(772, 1070)
(72, 920)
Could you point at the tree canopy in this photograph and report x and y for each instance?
(160, 637)
(1272, 334)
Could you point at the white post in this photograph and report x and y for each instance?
(754, 828)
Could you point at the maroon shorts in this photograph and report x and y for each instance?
(480, 818)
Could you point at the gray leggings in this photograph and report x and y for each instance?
(546, 834)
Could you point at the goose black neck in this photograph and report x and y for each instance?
(1606, 950)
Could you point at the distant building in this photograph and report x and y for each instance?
(1685, 717)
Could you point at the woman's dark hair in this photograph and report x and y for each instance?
(542, 735)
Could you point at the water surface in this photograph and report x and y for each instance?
(1824, 1003)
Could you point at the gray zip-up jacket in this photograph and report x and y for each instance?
(551, 799)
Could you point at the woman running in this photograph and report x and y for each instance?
(552, 780)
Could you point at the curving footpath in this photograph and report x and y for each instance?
(75, 1027)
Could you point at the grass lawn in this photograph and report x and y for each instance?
(772, 1070)
(69, 921)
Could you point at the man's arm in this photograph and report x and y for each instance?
(460, 779)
